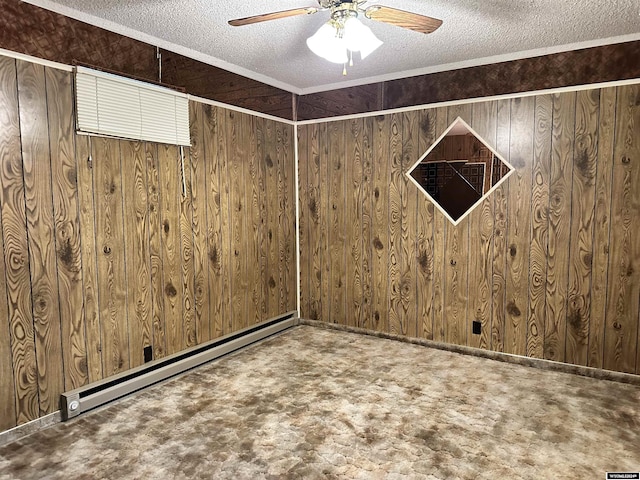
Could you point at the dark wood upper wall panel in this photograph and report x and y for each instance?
(214, 83)
(41, 33)
(34, 31)
(31, 30)
(365, 98)
(578, 67)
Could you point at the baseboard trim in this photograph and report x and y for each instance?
(539, 363)
(28, 428)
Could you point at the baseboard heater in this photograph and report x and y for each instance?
(83, 399)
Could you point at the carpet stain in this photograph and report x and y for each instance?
(314, 403)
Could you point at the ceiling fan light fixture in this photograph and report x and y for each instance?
(344, 34)
(359, 38)
(336, 39)
(327, 44)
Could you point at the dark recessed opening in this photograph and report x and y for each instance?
(148, 353)
(477, 327)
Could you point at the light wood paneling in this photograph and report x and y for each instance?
(155, 252)
(481, 239)
(86, 204)
(112, 294)
(336, 222)
(254, 227)
(16, 249)
(409, 216)
(186, 251)
(271, 182)
(9, 140)
(366, 221)
(380, 224)
(214, 245)
(7, 390)
(261, 173)
(66, 227)
(223, 154)
(501, 208)
(324, 223)
(316, 212)
(39, 212)
(621, 333)
(582, 216)
(602, 227)
(439, 252)
(559, 224)
(136, 237)
(171, 184)
(456, 246)
(238, 225)
(396, 322)
(304, 155)
(543, 246)
(519, 226)
(287, 223)
(198, 175)
(425, 269)
(353, 174)
(104, 253)
(539, 225)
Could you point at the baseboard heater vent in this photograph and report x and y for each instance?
(83, 399)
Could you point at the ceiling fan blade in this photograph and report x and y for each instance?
(272, 16)
(400, 18)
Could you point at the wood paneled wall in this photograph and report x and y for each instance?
(109, 246)
(549, 264)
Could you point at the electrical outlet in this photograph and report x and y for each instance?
(477, 327)
(148, 353)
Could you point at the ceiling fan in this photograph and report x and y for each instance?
(344, 33)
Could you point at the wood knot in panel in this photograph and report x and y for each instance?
(513, 309)
(170, 290)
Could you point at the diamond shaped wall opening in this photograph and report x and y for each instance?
(459, 171)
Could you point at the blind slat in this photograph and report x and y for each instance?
(87, 102)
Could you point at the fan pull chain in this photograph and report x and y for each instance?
(344, 69)
(350, 58)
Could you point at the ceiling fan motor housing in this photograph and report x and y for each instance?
(343, 11)
(331, 4)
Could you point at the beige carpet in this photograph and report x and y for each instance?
(315, 403)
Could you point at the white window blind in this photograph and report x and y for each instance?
(110, 105)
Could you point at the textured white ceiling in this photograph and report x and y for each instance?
(474, 32)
